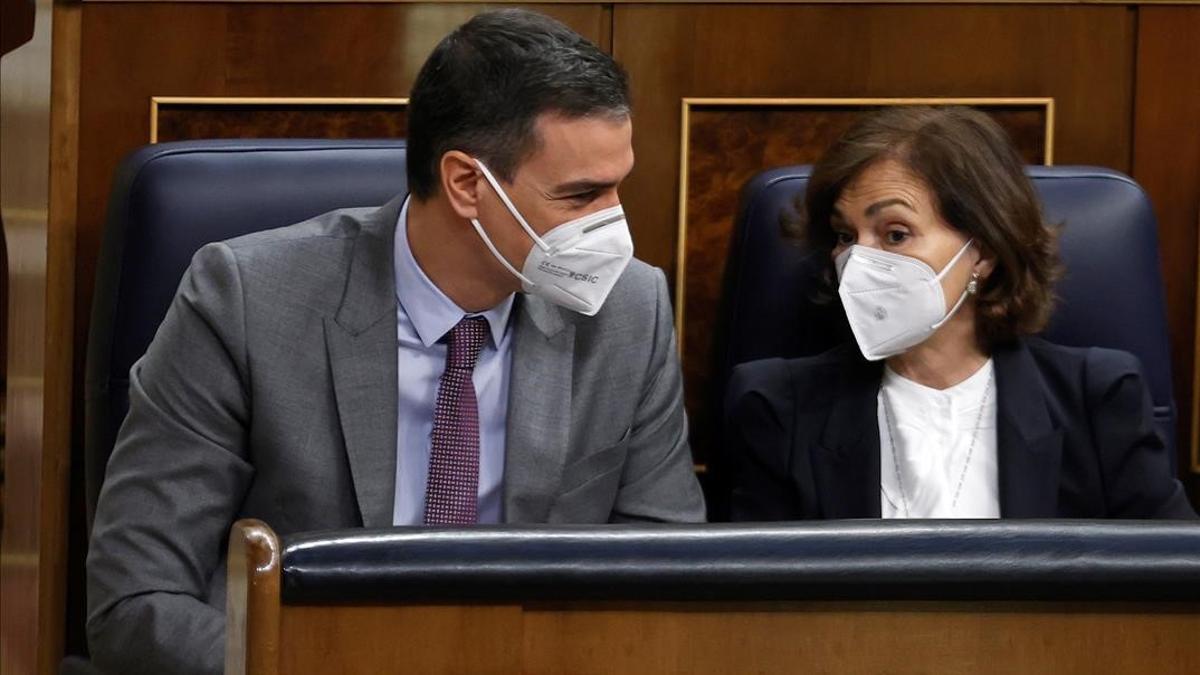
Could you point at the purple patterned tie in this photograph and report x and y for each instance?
(451, 493)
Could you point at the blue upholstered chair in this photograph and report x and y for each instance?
(1111, 296)
(170, 199)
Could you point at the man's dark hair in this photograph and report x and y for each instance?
(484, 86)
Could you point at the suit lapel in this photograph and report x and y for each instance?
(846, 459)
(1029, 447)
(539, 410)
(361, 344)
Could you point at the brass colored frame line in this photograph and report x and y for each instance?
(686, 104)
(157, 101)
(681, 236)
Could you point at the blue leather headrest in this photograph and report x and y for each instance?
(1111, 296)
(170, 199)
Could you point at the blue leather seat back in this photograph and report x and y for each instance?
(170, 199)
(1111, 295)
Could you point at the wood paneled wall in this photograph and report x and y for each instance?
(1166, 161)
(1081, 56)
(1125, 80)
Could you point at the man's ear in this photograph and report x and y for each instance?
(462, 183)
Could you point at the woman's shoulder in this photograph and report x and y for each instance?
(1079, 376)
(1094, 364)
(778, 378)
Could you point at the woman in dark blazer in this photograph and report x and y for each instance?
(946, 407)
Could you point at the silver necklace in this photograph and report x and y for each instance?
(887, 418)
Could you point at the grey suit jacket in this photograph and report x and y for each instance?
(270, 392)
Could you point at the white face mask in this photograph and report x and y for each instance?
(577, 263)
(892, 301)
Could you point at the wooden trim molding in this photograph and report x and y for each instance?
(62, 531)
(252, 600)
(158, 102)
(700, 2)
(41, 110)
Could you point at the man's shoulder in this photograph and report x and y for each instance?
(305, 263)
(637, 270)
(635, 319)
(332, 228)
(636, 290)
(639, 280)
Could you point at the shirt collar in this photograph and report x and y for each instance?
(431, 311)
(967, 390)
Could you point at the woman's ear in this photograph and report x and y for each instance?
(984, 263)
(462, 182)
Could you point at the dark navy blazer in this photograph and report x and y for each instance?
(1075, 437)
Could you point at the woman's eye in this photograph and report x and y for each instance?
(845, 238)
(896, 236)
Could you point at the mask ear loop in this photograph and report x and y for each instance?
(966, 291)
(503, 261)
(954, 261)
(511, 208)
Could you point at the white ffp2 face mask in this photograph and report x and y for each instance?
(892, 301)
(577, 263)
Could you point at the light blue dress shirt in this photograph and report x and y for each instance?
(423, 316)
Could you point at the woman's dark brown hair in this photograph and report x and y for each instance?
(979, 185)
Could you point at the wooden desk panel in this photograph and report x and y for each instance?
(412, 639)
(841, 638)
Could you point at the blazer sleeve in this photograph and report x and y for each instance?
(174, 484)
(1134, 462)
(758, 440)
(658, 481)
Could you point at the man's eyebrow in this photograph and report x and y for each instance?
(880, 205)
(576, 187)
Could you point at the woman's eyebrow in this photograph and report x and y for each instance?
(883, 204)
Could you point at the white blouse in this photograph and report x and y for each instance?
(942, 439)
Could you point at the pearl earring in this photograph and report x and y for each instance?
(973, 284)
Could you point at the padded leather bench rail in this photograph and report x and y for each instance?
(832, 560)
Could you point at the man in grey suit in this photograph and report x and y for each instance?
(480, 350)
